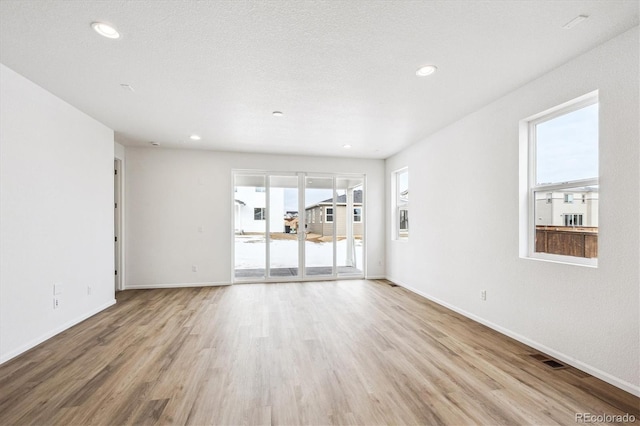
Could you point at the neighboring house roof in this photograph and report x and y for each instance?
(341, 200)
(578, 189)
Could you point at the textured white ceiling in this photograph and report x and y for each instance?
(343, 72)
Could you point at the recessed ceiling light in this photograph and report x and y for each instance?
(127, 87)
(575, 21)
(278, 113)
(154, 143)
(426, 70)
(105, 30)
(347, 146)
(195, 137)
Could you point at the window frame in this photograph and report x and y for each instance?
(528, 130)
(399, 205)
(261, 211)
(328, 215)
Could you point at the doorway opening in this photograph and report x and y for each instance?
(117, 222)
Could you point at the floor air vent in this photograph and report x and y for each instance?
(554, 364)
(546, 360)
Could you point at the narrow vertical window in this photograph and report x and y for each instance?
(401, 204)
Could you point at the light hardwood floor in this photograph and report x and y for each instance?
(346, 352)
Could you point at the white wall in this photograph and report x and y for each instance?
(171, 193)
(56, 214)
(588, 317)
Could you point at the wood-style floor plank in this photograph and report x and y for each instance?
(345, 352)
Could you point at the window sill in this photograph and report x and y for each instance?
(564, 260)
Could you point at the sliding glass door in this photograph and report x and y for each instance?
(250, 226)
(283, 238)
(298, 226)
(319, 247)
(349, 223)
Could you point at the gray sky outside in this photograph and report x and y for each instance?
(312, 196)
(567, 147)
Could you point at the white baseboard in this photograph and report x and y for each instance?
(602, 375)
(35, 342)
(173, 285)
(376, 277)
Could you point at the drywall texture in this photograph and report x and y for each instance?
(170, 194)
(465, 222)
(56, 214)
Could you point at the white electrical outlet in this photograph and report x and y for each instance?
(88, 290)
(56, 302)
(200, 229)
(194, 268)
(483, 294)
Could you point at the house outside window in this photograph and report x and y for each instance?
(329, 215)
(404, 220)
(259, 213)
(357, 214)
(572, 220)
(562, 151)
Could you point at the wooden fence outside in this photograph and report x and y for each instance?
(567, 240)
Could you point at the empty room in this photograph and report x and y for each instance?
(286, 212)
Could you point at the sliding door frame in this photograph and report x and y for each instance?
(302, 220)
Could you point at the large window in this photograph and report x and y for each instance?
(401, 204)
(563, 168)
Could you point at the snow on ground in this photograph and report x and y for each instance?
(250, 253)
